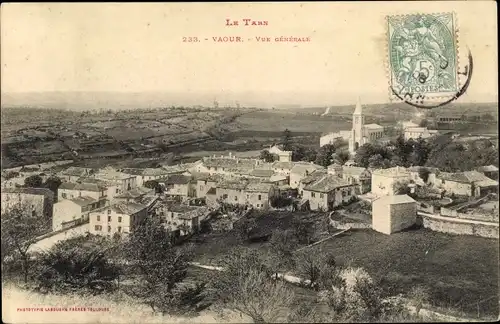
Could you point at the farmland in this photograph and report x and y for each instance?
(459, 271)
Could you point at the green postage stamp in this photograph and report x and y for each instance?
(423, 55)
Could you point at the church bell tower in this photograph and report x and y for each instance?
(357, 133)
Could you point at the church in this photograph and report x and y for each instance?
(359, 134)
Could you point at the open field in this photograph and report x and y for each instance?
(460, 271)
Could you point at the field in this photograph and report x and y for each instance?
(461, 272)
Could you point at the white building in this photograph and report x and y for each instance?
(419, 132)
(392, 214)
(360, 133)
(383, 180)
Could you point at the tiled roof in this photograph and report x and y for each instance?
(261, 173)
(395, 199)
(283, 165)
(112, 175)
(30, 191)
(373, 126)
(355, 171)
(313, 177)
(326, 184)
(418, 168)
(135, 192)
(67, 185)
(230, 162)
(471, 177)
(200, 175)
(154, 172)
(277, 177)
(233, 184)
(127, 208)
(302, 168)
(392, 172)
(75, 171)
(135, 172)
(176, 179)
(259, 187)
(84, 200)
(487, 168)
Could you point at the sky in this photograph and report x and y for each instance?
(134, 47)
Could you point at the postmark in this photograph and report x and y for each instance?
(423, 58)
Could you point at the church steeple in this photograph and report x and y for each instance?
(359, 109)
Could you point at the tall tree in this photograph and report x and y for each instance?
(247, 286)
(34, 181)
(19, 229)
(287, 140)
(52, 183)
(266, 156)
(162, 269)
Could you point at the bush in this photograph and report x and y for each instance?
(71, 266)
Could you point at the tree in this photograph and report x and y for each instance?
(53, 184)
(246, 286)
(287, 140)
(378, 162)
(423, 123)
(266, 156)
(401, 188)
(19, 229)
(77, 263)
(245, 227)
(424, 173)
(283, 244)
(341, 156)
(325, 155)
(418, 296)
(34, 181)
(309, 266)
(162, 269)
(153, 184)
(303, 230)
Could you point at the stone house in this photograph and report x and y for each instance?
(300, 170)
(362, 177)
(178, 185)
(74, 211)
(468, 183)
(72, 174)
(123, 181)
(328, 192)
(490, 171)
(122, 218)
(393, 213)
(70, 190)
(258, 194)
(384, 180)
(38, 201)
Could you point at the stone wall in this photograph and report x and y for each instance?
(346, 225)
(460, 227)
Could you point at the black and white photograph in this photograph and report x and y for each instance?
(249, 162)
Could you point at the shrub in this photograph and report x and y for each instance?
(71, 266)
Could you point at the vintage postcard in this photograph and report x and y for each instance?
(293, 162)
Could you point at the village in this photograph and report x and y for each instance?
(112, 201)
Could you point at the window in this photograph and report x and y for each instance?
(313, 194)
(224, 196)
(98, 218)
(119, 219)
(117, 190)
(98, 227)
(343, 193)
(321, 195)
(259, 197)
(119, 229)
(109, 228)
(64, 195)
(109, 211)
(109, 218)
(235, 198)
